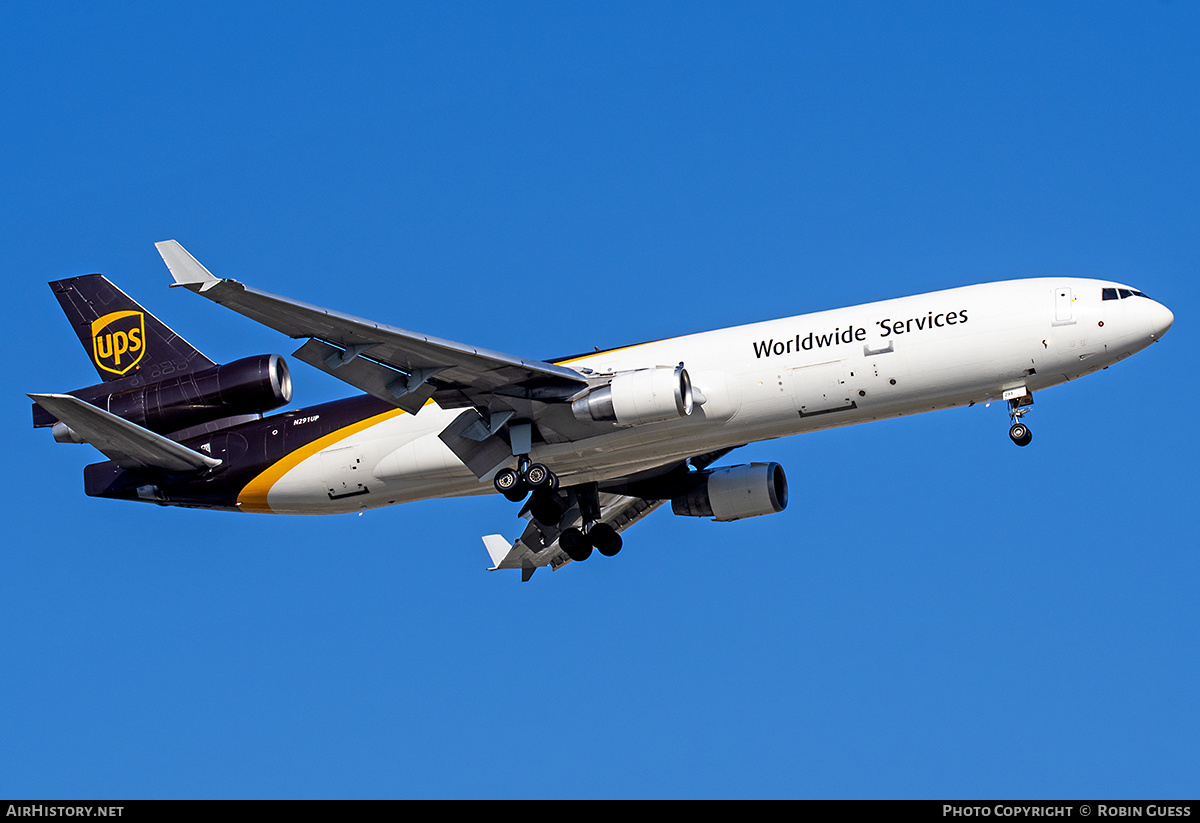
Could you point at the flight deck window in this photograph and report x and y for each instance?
(1109, 294)
(1125, 293)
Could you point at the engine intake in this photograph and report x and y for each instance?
(641, 396)
(736, 492)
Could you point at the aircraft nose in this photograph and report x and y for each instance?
(1161, 319)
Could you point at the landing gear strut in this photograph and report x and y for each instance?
(516, 483)
(547, 506)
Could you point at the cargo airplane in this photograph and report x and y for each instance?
(588, 444)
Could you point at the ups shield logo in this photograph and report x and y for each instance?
(119, 340)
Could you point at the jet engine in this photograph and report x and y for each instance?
(735, 492)
(251, 385)
(636, 397)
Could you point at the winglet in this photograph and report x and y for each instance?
(502, 553)
(497, 547)
(186, 269)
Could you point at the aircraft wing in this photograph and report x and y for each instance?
(127, 444)
(399, 366)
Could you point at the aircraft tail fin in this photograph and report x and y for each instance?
(120, 337)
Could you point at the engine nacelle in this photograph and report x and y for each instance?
(736, 492)
(252, 385)
(636, 397)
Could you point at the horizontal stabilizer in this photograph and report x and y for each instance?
(127, 444)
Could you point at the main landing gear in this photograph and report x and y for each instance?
(528, 477)
(516, 483)
(1018, 432)
(547, 507)
(578, 543)
(595, 534)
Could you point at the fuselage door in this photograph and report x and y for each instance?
(1064, 307)
(344, 473)
(821, 388)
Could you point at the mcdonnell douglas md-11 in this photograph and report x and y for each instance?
(588, 444)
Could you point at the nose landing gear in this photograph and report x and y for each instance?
(1018, 406)
(1020, 434)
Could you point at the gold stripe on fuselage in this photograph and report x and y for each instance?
(253, 496)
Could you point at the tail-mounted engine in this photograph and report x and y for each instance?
(636, 397)
(736, 492)
(252, 385)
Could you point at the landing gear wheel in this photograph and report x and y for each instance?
(1020, 434)
(575, 544)
(545, 508)
(605, 538)
(538, 476)
(509, 483)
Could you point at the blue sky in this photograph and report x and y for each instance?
(936, 614)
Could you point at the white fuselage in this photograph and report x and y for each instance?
(768, 380)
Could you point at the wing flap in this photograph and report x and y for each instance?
(127, 444)
(409, 391)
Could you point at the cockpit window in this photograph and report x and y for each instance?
(1120, 294)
